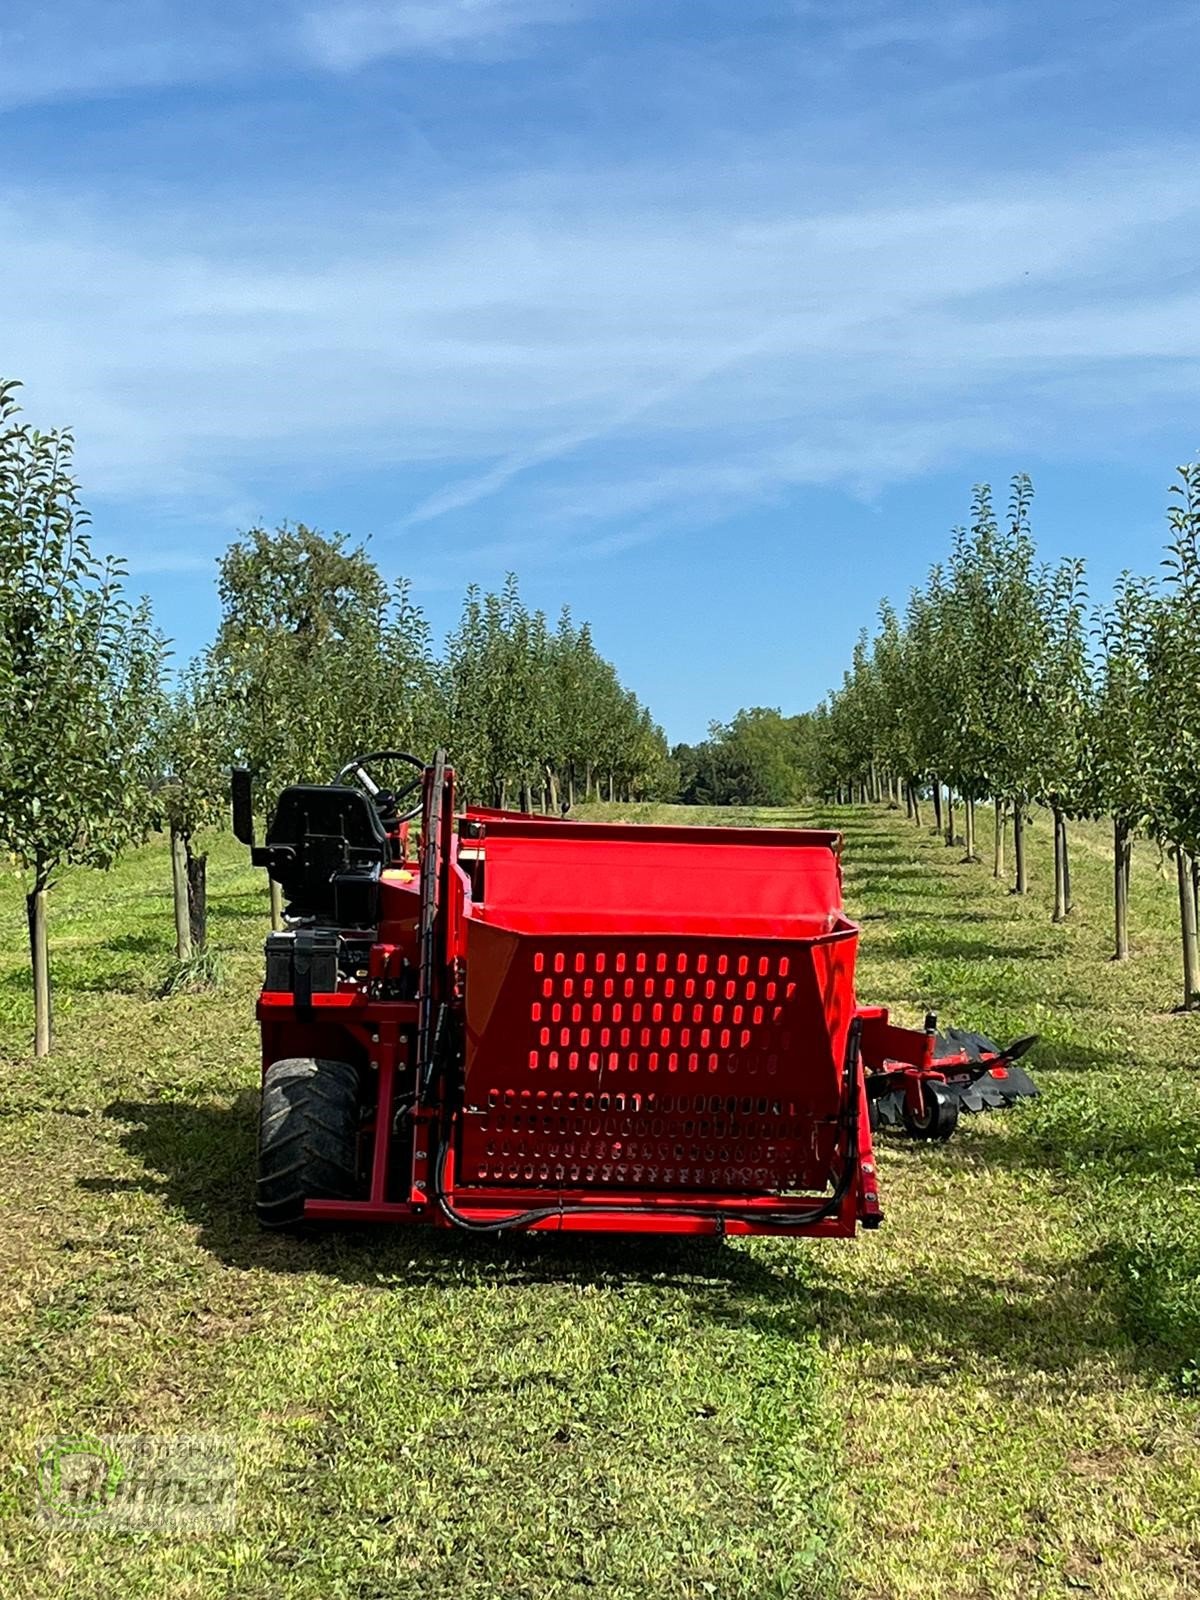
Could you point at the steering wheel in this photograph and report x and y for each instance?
(357, 769)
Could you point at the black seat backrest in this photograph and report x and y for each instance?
(321, 832)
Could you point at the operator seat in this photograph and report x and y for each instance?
(326, 847)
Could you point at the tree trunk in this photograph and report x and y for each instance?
(969, 828)
(874, 784)
(916, 798)
(276, 907)
(39, 950)
(1122, 853)
(937, 805)
(1187, 928)
(998, 853)
(526, 798)
(949, 815)
(1060, 867)
(552, 790)
(1021, 884)
(197, 898)
(908, 801)
(179, 883)
(1068, 902)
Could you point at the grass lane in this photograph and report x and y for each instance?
(1014, 1355)
(993, 1396)
(414, 1414)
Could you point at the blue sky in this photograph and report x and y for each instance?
(702, 315)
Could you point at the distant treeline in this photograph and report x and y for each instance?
(761, 758)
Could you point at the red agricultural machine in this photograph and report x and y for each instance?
(532, 1023)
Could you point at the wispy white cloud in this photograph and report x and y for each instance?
(593, 356)
(348, 36)
(104, 47)
(78, 47)
(947, 29)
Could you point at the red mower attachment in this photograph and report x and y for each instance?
(957, 1071)
(551, 1025)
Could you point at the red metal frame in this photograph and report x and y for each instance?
(637, 1029)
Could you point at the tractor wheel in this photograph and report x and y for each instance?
(307, 1138)
(940, 1117)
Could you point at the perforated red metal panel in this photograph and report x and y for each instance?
(690, 1063)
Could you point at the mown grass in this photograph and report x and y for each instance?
(989, 1397)
(1014, 1355)
(414, 1414)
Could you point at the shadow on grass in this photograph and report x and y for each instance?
(132, 981)
(200, 1160)
(247, 906)
(858, 873)
(941, 941)
(1077, 1055)
(150, 942)
(1040, 1320)
(73, 977)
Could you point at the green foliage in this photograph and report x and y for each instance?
(204, 970)
(79, 669)
(1061, 737)
(1171, 642)
(1122, 734)
(535, 717)
(757, 759)
(192, 743)
(984, 684)
(315, 658)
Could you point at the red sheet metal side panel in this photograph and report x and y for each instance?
(543, 878)
(653, 1063)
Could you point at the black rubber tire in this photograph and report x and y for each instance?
(941, 1114)
(307, 1137)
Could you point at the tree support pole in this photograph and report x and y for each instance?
(1021, 884)
(998, 852)
(179, 883)
(1122, 852)
(1187, 928)
(1060, 867)
(35, 908)
(197, 897)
